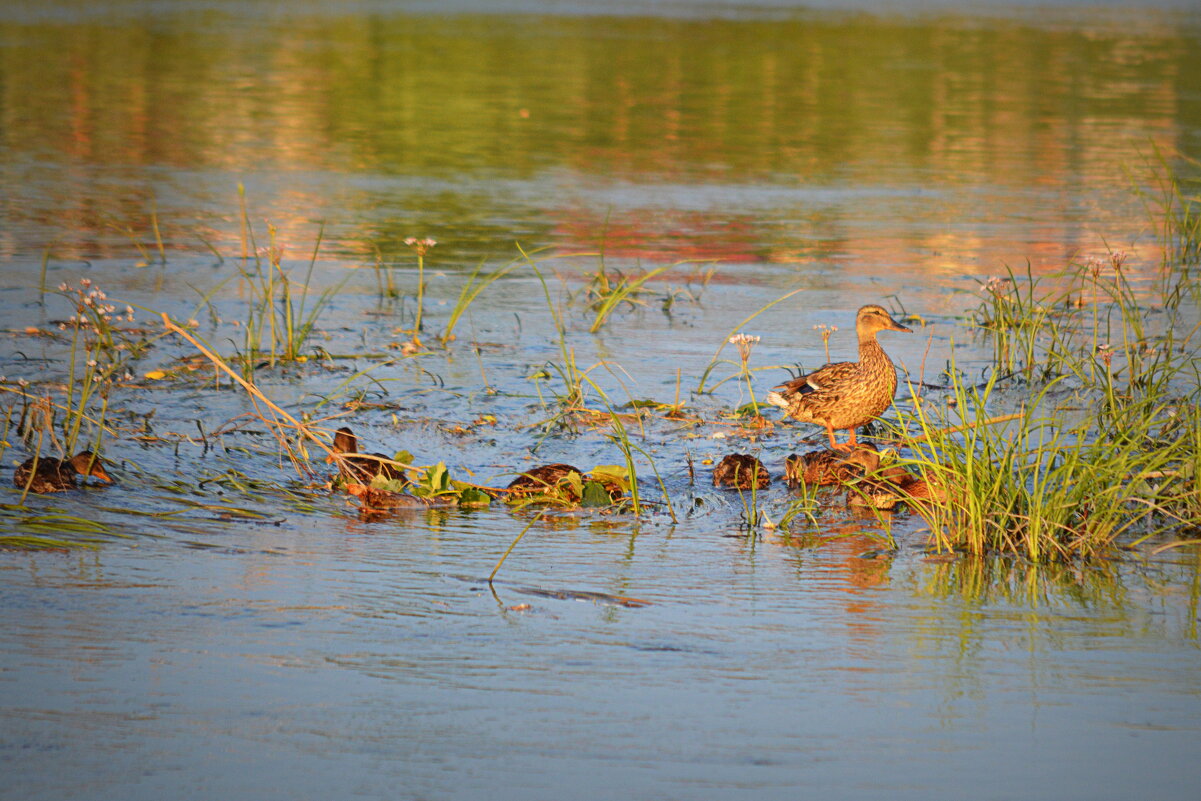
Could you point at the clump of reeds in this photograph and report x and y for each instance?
(100, 355)
(1104, 450)
(280, 319)
(1038, 486)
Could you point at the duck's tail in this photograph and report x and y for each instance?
(776, 399)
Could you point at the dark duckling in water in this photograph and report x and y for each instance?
(55, 475)
(740, 470)
(360, 468)
(543, 479)
(846, 395)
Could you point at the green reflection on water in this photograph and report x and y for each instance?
(454, 107)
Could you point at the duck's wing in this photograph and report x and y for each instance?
(821, 380)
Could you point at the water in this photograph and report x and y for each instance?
(239, 632)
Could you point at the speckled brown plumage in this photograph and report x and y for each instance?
(846, 395)
(357, 468)
(890, 486)
(381, 500)
(825, 466)
(737, 469)
(54, 475)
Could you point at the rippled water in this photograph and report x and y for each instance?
(238, 632)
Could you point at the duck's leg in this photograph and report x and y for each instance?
(845, 447)
(834, 446)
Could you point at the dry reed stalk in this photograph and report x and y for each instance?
(257, 395)
(1005, 418)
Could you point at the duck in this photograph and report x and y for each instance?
(736, 470)
(825, 466)
(886, 488)
(874, 494)
(360, 468)
(846, 395)
(380, 500)
(55, 475)
(542, 479)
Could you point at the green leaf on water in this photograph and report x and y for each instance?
(595, 494)
(616, 474)
(474, 497)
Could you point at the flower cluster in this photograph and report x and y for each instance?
(1095, 264)
(91, 310)
(995, 285)
(744, 343)
(422, 246)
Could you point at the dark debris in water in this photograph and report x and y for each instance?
(584, 595)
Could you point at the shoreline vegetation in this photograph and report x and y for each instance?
(1083, 436)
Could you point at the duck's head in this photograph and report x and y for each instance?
(865, 456)
(87, 463)
(873, 318)
(344, 442)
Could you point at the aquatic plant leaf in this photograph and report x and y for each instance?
(612, 472)
(436, 478)
(382, 482)
(472, 496)
(646, 404)
(574, 484)
(594, 495)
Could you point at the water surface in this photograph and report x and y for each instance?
(239, 632)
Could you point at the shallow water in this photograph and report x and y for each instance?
(239, 632)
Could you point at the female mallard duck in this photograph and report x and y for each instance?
(54, 475)
(360, 468)
(846, 395)
(737, 469)
(831, 467)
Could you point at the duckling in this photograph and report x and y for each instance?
(870, 493)
(918, 490)
(886, 488)
(379, 500)
(55, 475)
(736, 470)
(831, 467)
(541, 479)
(846, 395)
(357, 468)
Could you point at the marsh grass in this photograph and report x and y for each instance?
(279, 319)
(1174, 205)
(1104, 450)
(1038, 487)
(470, 291)
(610, 292)
(101, 354)
(572, 377)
